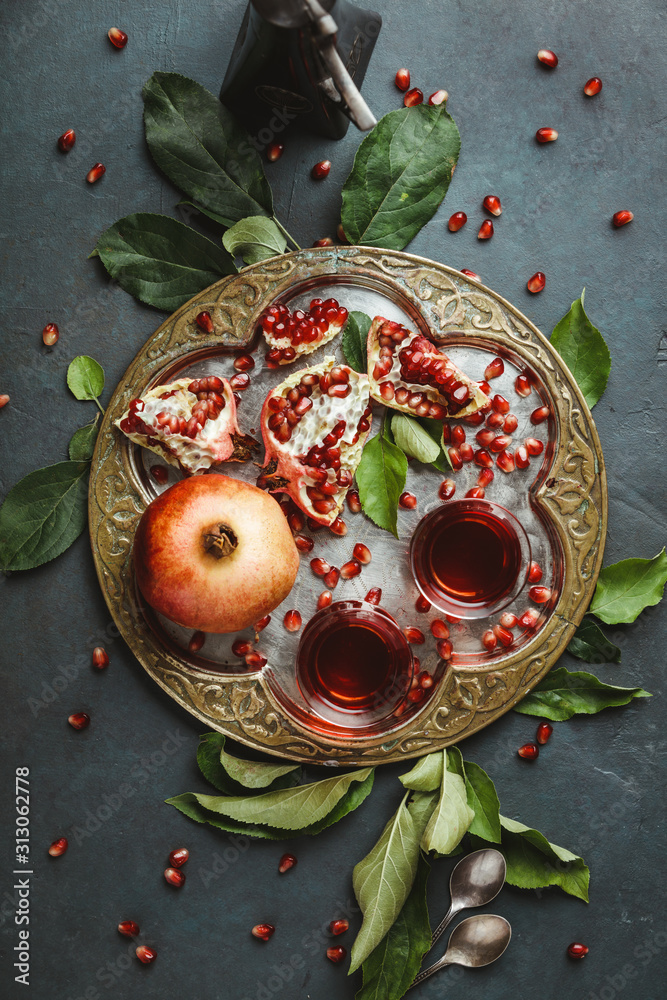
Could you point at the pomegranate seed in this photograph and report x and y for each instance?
(438, 97)
(159, 474)
(240, 381)
(362, 553)
(495, 420)
(521, 457)
(286, 862)
(489, 640)
(500, 404)
(539, 415)
(408, 501)
(254, 660)
(262, 623)
(500, 442)
(204, 322)
(483, 459)
(353, 501)
(492, 204)
(338, 527)
(244, 363)
(522, 385)
(303, 543)
(508, 620)
(350, 569)
(457, 221)
(452, 619)
(534, 573)
(593, 86)
(196, 642)
(321, 170)
(485, 230)
(241, 646)
(402, 78)
(576, 950)
(505, 461)
(324, 600)
(485, 477)
(469, 274)
(274, 151)
(128, 928)
(439, 629)
(529, 751)
(146, 954)
(79, 720)
(374, 596)
(50, 334)
(319, 566)
(476, 493)
(494, 368)
(529, 619)
(444, 648)
(422, 606)
(331, 578)
(540, 595)
(458, 435)
(413, 97)
(263, 931)
(546, 135)
(485, 387)
(426, 682)
(622, 218)
(338, 927)
(336, 954)
(117, 37)
(174, 877)
(292, 621)
(340, 234)
(485, 437)
(536, 283)
(96, 171)
(511, 423)
(455, 459)
(4, 399)
(503, 635)
(548, 58)
(326, 241)
(544, 731)
(58, 847)
(67, 140)
(414, 635)
(447, 489)
(178, 857)
(100, 658)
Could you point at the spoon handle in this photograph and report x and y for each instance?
(443, 925)
(440, 964)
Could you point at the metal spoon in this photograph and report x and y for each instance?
(477, 941)
(476, 880)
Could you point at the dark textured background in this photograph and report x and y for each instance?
(597, 788)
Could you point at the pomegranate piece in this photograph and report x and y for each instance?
(174, 877)
(447, 489)
(197, 640)
(263, 931)
(422, 606)
(336, 954)
(544, 731)
(204, 322)
(522, 385)
(540, 595)
(321, 170)
(4, 399)
(415, 636)
(505, 461)
(66, 140)
(521, 457)
(146, 954)
(286, 862)
(190, 423)
(492, 204)
(374, 596)
(353, 501)
(117, 37)
(546, 135)
(577, 950)
(324, 600)
(529, 751)
(178, 857)
(457, 221)
(485, 230)
(408, 501)
(100, 658)
(274, 151)
(503, 635)
(534, 572)
(96, 171)
(338, 927)
(362, 553)
(536, 283)
(79, 720)
(128, 928)
(510, 424)
(291, 334)
(548, 58)
(50, 334)
(262, 623)
(402, 79)
(413, 97)
(292, 621)
(489, 641)
(539, 415)
(469, 274)
(593, 86)
(621, 218)
(58, 847)
(438, 97)
(350, 569)
(339, 527)
(494, 368)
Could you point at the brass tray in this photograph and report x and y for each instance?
(566, 496)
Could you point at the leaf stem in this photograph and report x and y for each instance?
(100, 406)
(285, 233)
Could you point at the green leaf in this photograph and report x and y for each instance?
(436, 430)
(85, 377)
(255, 774)
(412, 439)
(255, 238)
(584, 351)
(420, 807)
(589, 643)
(201, 147)
(627, 587)
(82, 442)
(483, 800)
(393, 964)
(355, 338)
(208, 761)
(43, 514)
(563, 694)
(383, 880)
(205, 211)
(236, 776)
(451, 817)
(401, 173)
(381, 478)
(160, 261)
(426, 775)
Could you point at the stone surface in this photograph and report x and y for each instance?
(596, 787)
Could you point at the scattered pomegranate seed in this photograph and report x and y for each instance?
(500, 443)
(286, 862)
(503, 635)
(495, 420)
(438, 97)
(529, 751)
(492, 204)
(540, 595)
(319, 566)
(324, 600)
(58, 847)
(254, 659)
(67, 140)
(262, 623)
(128, 928)
(470, 274)
(303, 543)
(340, 234)
(485, 230)
(505, 461)
(483, 459)
(458, 435)
(336, 954)
(50, 334)
(447, 489)
(466, 451)
(426, 682)
(362, 553)
(455, 459)
(489, 640)
(350, 569)
(548, 58)
(413, 97)
(178, 857)
(159, 474)
(402, 78)
(416, 694)
(621, 218)
(457, 221)
(494, 368)
(4, 399)
(486, 389)
(577, 950)
(422, 606)
(321, 170)
(353, 501)
(414, 635)
(96, 171)
(593, 86)
(452, 619)
(529, 619)
(500, 404)
(522, 385)
(174, 877)
(240, 381)
(439, 629)
(511, 423)
(146, 954)
(244, 363)
(534, 572)
(241, 646)
(374, 596)
(331, 578)
(274, 151)
(536, 283)
(546, 135)
(326, 241)
(117, 37)
(544, 731)
(100, 658)
(533, 446)
(408, 501)
(521, 457)
(508, 620)
(338, 927)
(444, 648)
(196, 642)
(485, 477)
(485, 437)
(263, 931)
(204, 322)
(539, 415)
(338, 526)
(79, 720)
(475, 493)
(292, 621)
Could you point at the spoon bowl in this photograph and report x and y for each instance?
(475, 881)
(478, 941)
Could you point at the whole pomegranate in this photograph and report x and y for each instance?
(215, 554)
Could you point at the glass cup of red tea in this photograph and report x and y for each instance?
(470, 558)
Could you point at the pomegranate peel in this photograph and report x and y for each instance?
(293, 334)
